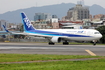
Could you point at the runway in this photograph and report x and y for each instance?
(44, 48)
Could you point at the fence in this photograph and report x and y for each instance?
(23, 40)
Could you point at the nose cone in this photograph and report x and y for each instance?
(100, 36)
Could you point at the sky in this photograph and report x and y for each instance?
(12, 5)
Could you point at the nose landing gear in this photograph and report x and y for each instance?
(94, 42)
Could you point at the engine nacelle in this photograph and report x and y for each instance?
(56, 39)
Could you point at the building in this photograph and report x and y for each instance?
(40, 24)
(42, 16)
(54, 23)
(98, 17)
(14, 26)
(90, 17)
(42, 21)
(45, 21)
(77, 13)
(3, 22)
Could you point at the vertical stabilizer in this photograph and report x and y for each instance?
(27, 24)
(5, 28)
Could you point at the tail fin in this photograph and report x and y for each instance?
(27, 24)
(81, 27)
(5, 28)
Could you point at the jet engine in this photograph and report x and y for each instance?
(56, 39)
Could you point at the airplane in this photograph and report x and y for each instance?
(59, 35)
(99, 22)
(68, 24)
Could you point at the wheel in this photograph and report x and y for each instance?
(94, 44)
(65, 43)
(51, 43)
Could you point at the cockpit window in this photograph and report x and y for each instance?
(96, 33)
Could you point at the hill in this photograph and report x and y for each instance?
(58, 9)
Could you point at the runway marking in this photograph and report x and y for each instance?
(33, 48)
(90, 52)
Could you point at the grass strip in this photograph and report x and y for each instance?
(36, 57)
(98, 64)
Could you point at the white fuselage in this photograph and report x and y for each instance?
(71, 34)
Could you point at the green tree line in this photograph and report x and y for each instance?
(101, 29)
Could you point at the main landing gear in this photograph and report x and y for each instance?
(51, 43)
(65, 43)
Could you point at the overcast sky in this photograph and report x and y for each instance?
(11, 5)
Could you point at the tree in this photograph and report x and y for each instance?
(20, 36)
(101, 29)
(21, 28)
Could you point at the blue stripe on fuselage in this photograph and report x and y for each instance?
(48, 33)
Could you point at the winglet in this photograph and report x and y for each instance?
(5, 28)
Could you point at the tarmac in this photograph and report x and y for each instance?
(59, 49)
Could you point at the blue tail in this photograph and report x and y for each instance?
(5, 28)
(27, 24)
